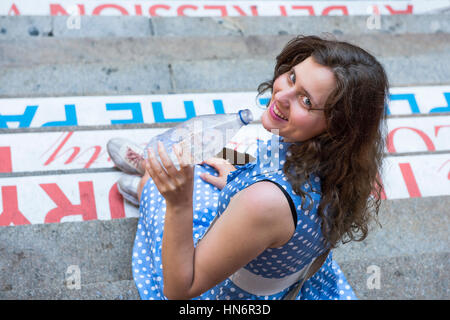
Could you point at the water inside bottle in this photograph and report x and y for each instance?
(202, 137)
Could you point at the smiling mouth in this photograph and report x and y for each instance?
(276, 113)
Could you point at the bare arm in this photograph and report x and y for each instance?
(256, 218)
(252, 222)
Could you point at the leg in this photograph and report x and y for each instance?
(142, 183)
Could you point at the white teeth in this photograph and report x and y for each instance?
(278, 113)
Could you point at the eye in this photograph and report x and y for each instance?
(306, 101)
(292, 76)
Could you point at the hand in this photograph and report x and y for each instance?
(176, 186)
(223, 167)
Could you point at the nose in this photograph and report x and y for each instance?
(285, 96)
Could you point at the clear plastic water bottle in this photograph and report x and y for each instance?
(202, 137)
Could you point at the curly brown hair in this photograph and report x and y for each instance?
(348, 156)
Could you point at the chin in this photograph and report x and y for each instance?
(266, 123)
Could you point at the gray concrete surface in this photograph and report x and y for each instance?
(35, 258)
(115, 63)
(417, 277)
(186, 76)
(136, 27)
(48, 51)
(39, 56)
(411, 250)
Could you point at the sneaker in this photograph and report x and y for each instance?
(128, 187)
(126, 155)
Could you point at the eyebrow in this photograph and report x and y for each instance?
(307, 93)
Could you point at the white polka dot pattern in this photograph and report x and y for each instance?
(306, 244)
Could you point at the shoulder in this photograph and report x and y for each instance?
(263, 194)
(264, 204)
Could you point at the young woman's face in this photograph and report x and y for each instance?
(295, 95)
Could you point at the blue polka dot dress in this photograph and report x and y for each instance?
(272, 274)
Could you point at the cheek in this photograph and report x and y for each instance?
(278, 85)
(265, 120)
(312, 124)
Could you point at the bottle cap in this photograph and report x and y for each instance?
(246, 116)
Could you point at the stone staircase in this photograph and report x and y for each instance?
(129, 55)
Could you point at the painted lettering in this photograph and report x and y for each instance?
(57, 9)
(410, 97)
(100, 8)
(116, 205)
(159, 115)
(444, 108)
(152, 9)
(134, 107)
(14, 10)
(390, 139)
(71, 118)
(410, 180)
(222, 9)
(138, 9)
(310, 9)
(180, 9)
(408, 10)
(283, 11)
(76, 154)
(11, 213)
(326, 11)
(438, 128)
(253, 10)
(443, 165)
(5, 160)
(24, 119)
(86, 208)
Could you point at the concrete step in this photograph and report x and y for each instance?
(116, 290)
(36, 258)
(110, 65)
(32, 52)
(408, 227)
(411, 251)
(40, 56)
(415, 277)
(12, 27)
(186, 76)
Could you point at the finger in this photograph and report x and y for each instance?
(148, 166)
(161, 180)
(157, 169)
(166, 161)
(186, 168)
(215, 181)
(177, 151)
(217, 163)
(181, 156)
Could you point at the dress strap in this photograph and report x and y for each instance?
(313, 268)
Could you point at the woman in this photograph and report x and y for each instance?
(276, 221)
